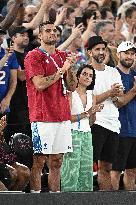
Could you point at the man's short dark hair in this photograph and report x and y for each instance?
(45, 23)
(93, 2)
(104, 11)
(130, 11)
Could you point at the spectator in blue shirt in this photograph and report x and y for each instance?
(126, 155)
(8, 75)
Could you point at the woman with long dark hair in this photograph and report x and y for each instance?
(77, 168)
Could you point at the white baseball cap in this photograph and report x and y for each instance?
(125, 45)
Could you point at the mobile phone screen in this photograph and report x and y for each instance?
(78, 20)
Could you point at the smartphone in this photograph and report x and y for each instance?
(78, 20)
(10, 43)
(94, 15)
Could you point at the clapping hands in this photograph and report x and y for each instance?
(95, 108)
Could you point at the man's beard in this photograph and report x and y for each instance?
(126, 65)
(99, 59)
(22, 46)
(50, 42)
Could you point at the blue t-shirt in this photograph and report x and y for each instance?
(11, 63)
(127, 114)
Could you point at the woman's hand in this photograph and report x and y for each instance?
(95, 108)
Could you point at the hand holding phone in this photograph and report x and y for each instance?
(78, 20)
(10, 48)
(94, 15)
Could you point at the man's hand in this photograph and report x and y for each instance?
(61, 16)
(4, 104)
(116, 90)
(70, 61)
(91, 24)
(9, 51)
(76, 31)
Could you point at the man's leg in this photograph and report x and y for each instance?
(130, 169)
(129, 179)
(35, 177)
(115, 179)
(55, 162)
(99, 139)
(123, 161)
(107, 158)
(104, 177)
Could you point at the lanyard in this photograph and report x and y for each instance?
(62, 79)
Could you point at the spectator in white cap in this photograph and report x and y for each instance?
(125, 46)
(125, 159)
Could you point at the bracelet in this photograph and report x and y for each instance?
(78, 120)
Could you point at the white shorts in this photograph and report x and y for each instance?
(51, 137)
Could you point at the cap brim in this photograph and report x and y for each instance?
(134, 48)
(29, 31)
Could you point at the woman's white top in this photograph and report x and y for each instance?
(77, 108)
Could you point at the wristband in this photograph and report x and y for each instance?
(78, 120)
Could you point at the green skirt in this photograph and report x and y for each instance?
(77, 167)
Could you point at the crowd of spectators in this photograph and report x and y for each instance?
(77, 22)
